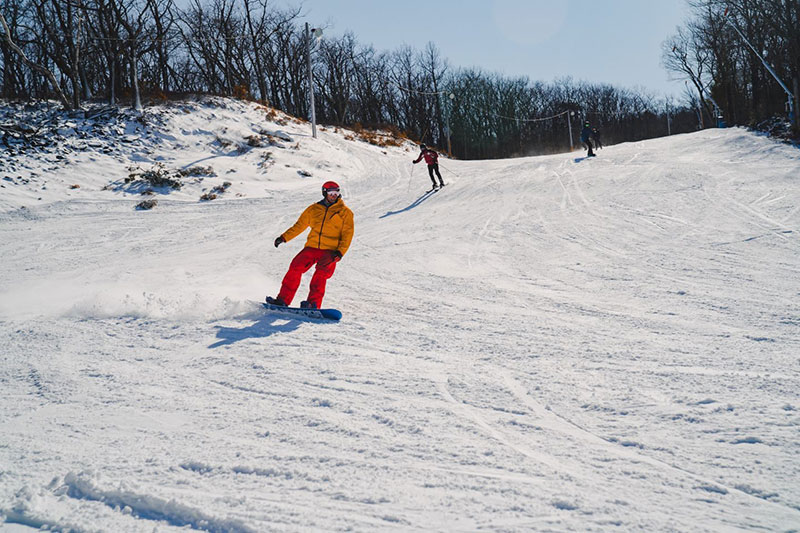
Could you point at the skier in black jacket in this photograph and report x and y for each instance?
(586, 138)
(596, 138)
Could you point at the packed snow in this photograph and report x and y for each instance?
(547, 344)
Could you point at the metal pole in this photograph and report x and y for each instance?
(449, 111)
(449, 148)
(310, 84)
(569, 128)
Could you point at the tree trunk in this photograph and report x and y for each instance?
(797, 103)
(137, 100)
(87, 90)
(112, 93)
(77, 85)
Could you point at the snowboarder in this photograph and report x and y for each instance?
(596, 138)
(432, 159)
(331, 224)
(586, 138)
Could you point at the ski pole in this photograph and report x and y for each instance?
(450, 171)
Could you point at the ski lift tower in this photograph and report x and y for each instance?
(717, 109)
(789, 96)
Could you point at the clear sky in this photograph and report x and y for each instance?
(599, 41)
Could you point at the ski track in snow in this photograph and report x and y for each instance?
(543, 345)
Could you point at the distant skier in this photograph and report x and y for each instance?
(432, 159)
(586, 138)
(596, 138)
(332, 228)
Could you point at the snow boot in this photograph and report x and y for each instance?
(276, 301)
(305, 304)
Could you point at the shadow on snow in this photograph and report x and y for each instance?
(414, 204)
(265, 326)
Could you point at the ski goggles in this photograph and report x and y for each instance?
(332, 192)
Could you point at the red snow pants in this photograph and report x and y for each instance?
(302, 262)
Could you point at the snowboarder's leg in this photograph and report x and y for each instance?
(430, 173)
(436, 168)
(323, 272)
(299, 266)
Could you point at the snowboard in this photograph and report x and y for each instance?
(325, 314)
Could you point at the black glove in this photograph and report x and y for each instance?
(336, 256)
(279, 240)
(415, 162)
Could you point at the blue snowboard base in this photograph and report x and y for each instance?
(326, 314)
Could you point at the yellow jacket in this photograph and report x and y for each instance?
(331, 226)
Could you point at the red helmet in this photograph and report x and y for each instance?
(329, 186)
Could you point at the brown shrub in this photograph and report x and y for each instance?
(377, 138)
(241, 92)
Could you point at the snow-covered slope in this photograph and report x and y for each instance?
(548, 344)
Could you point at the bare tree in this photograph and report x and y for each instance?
(61, 25)
(263, 24)
(35, 66)
(336, 57)
(373, 97)
(435, 69)
(215, 40)
(133, 16)
(13, 73)
(406, 75)
(681, 53)
(163, 18)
